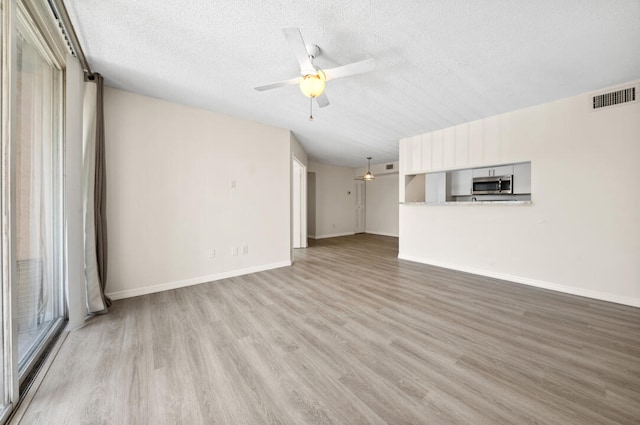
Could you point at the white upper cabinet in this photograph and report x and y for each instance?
(476, 148)
(462, 145)
(432, 151)
(448, 137)
(426, 153)
(411, 155)
(460, 182)
(492, 140)
(502, 170)
(472, 144)
(435, 188)
(437, 151)
(522, 178)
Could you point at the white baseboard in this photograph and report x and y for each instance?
(604, 296)
(128, 293)
(381, 233)
(334, 235)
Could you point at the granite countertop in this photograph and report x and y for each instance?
(438, 204)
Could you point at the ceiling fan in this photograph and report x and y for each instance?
(312, 79)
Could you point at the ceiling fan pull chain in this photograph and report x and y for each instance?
(311, 109)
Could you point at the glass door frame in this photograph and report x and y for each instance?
(34, 33)
(37, 17)
(11, 385)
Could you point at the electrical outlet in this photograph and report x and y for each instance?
(245, 249)
(233, 184)
(211, 254)
(234, 251)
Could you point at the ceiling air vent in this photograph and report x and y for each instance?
(389, 167)
(617, 97)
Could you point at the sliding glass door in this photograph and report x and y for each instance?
(32, 248)
(4, 401)
(38, 192)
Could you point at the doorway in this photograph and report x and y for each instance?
(299, 213)
(311, 205)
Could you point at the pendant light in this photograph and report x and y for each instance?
(369, 176)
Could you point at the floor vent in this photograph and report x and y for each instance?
(617, 97)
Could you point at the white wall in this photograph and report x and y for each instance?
(382, 205)
(297, 150)
(581, 234)
(335, 200)
(382, 212)
(379, 169)
(170, 200)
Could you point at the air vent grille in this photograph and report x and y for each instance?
(389, 166)
(614, 98)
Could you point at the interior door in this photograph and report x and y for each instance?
(360, 207)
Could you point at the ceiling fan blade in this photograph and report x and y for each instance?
(351, 69)
(291, 82)
(322, 100)
(296, 43)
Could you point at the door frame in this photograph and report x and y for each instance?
(361, 215)
(298, 204)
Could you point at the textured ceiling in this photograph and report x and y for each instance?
(438, 63)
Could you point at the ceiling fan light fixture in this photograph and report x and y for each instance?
(313, 85)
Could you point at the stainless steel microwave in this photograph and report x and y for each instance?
(494, 185)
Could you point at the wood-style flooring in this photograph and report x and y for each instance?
(349, 335)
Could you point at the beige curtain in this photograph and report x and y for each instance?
(100, 194)
(95, 223)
